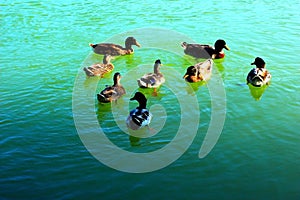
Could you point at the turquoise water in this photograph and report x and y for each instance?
(44, 46)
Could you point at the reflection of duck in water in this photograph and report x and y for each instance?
(134, 141)
(112, 93)
(257, 92)
(206, 51)
(100, 69)
(140, 116)
(114, 49)
(199, 72)
(259, 75)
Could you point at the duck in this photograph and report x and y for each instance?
(140, 116)
(152, 80)
(197, 50)
(99, 69)
(115, 49)
(112, 93)
(259, 75)
(199, 72)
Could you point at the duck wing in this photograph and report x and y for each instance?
(151, 80)
(88, 71)
(98, 69)
(138, 118)
(148, 80)
(108, 48)
(106, 95)
(198, 50)
(119, 91)
(256, 77)
(204, 69)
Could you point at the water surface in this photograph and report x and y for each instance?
(44, 46)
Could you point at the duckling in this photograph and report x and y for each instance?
(259, 75)
(152, 80)
(112, 93)
(197, 50)
(140, 116)
(100, 69)
(200, 72)
(114, 49)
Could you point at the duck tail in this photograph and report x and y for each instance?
(141, 84)
(88, 72)
(102, 98)
(92, 45)
(183, 45)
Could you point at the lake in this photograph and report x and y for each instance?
(214, 140)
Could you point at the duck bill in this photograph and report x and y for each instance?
(227, 48)
(138, 44)
(185, 76)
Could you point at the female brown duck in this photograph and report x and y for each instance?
(115, 49)
(99, 69)
(112, 93)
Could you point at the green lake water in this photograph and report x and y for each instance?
(57, 142)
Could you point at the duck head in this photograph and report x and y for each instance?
(220, 44)
(259, 62)
(190, 71)
(117, 78)
(157, 66)
(140, 97)
(131, 41)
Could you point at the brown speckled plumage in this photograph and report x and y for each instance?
(99, 69)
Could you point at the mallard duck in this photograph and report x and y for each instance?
(259, 76)
(152, 80)
(205, 51)
(114, 49)
(140, 116)
(112, 93)
(199, 72)
(99, 69)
